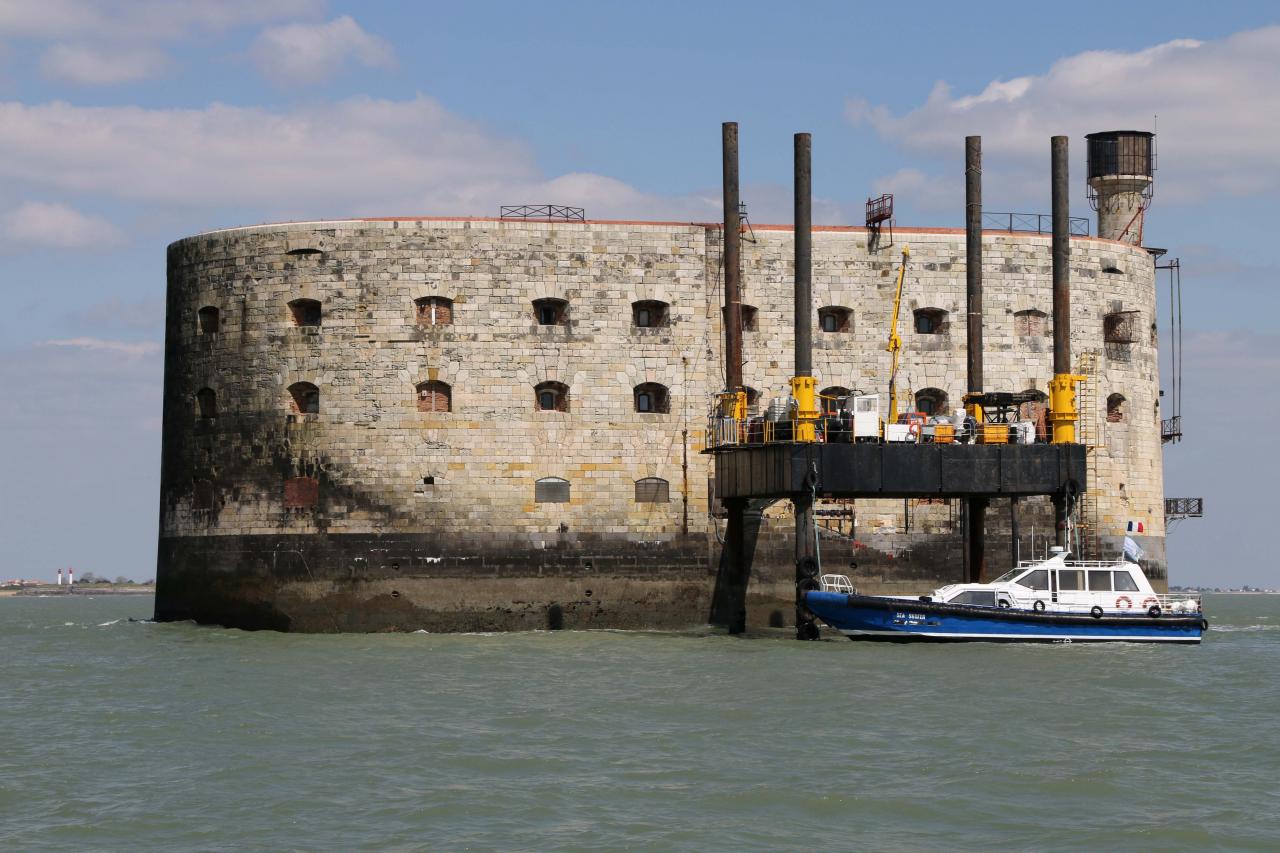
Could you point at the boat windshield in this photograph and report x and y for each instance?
(1009, 575)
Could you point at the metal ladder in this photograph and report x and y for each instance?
(1093, 437)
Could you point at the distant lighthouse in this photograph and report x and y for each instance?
(59, 577)
(71, 576)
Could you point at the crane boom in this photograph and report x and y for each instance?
(895, 342)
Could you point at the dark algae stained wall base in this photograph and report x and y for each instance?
(353, 582)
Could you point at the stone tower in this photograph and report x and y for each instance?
(1121, 164)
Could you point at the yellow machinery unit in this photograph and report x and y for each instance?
(1062, 407)
(806, 413)
(733, 404)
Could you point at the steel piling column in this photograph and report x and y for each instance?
(804, 254)
(976, 514)
(807, 568)
(729, 601)
(1061, 207)
(1061, 258)
(973, 257)
(732, 259)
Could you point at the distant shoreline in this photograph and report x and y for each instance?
(80, 589)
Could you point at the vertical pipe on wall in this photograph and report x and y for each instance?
(802, 386)
(975, 515)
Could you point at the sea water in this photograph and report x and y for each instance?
(126, 735)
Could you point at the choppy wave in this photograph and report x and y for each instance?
(628, 740)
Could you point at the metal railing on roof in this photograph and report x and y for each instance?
(543, 211)
(1036, 223)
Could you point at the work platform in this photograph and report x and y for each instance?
(885, 470)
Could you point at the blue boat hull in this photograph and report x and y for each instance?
(865, 617)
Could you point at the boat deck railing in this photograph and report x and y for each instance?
(1076, 564)
(836, 583)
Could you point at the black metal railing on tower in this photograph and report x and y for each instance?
(1183, 507)
(542, 211)
(1036, 223)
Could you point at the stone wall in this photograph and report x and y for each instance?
(457, 488)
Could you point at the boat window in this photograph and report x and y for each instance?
(1007, 576)
(1125, 582)
(1039, 579)
(980, 597)
(1099, 581)
(1069, 579)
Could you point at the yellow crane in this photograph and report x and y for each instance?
(895, 342)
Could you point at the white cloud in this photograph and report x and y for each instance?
(929, 193)
(302, 54)
(140, 20)
(41, 224)
(1218, 104)
(356, 157)
(128, 348)
(87, 65)
(104, 42)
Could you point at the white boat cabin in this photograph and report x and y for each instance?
(1056, 585)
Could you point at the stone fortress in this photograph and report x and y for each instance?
(481, 424)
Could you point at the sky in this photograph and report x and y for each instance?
(127, 124)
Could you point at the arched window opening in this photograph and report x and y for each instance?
(206, 404)
(306, 312)
(434, 311)
(653, 490)
(207, 320)
(652, 398)
(930, 321)
(1118, 327)
(834, 318)
(551, 312)
(832, 398)
(304, 398)
(1036, 411)
(1030, 323)
(1115, 408)
(551, 397)
(551, 490)
(203, 494)
(749, 314)
(434, 396)
(649, 314)
(931, 401)
(1112, 269)
(301, 492)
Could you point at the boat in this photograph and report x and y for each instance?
(1047, 601)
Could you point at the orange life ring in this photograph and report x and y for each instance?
(1149, 601)
(1128, 602)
